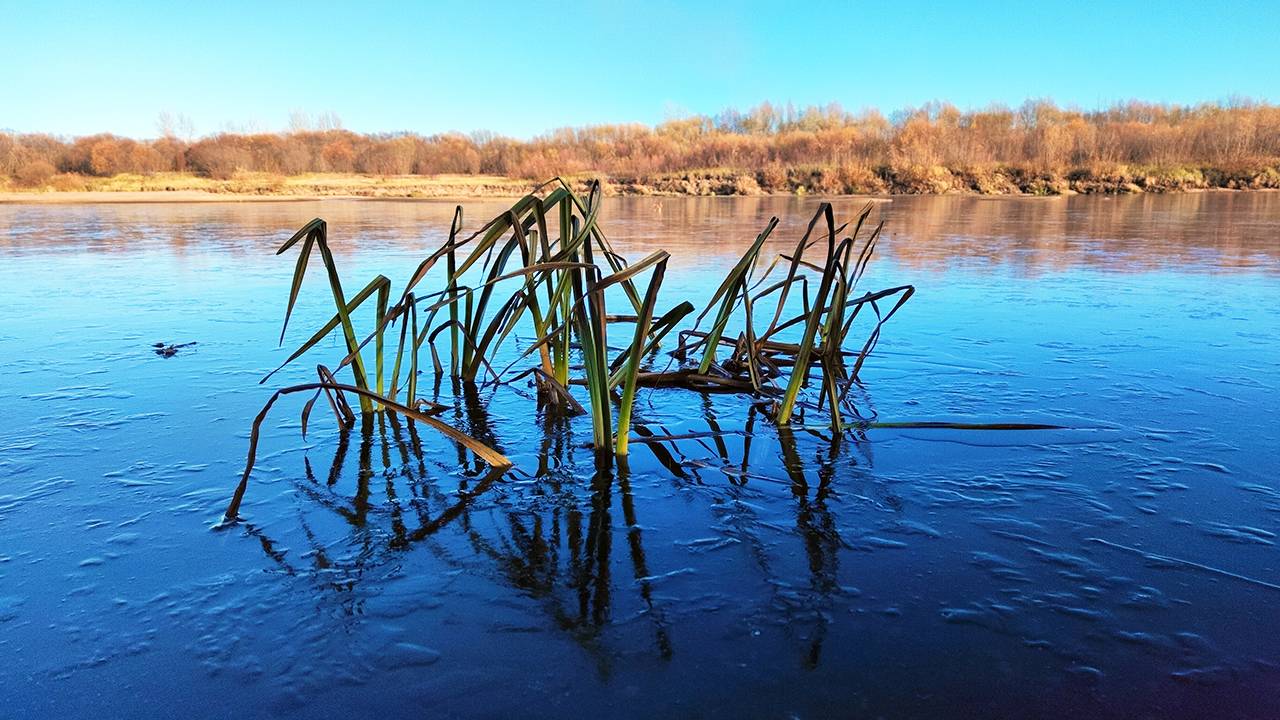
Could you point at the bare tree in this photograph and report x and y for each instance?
(176, 126)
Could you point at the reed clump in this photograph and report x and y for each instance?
(772, 329)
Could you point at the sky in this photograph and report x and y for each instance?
(520, 69)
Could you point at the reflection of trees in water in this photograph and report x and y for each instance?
(556, 546)
(1120, 233)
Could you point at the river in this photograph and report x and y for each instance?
(1124, 566)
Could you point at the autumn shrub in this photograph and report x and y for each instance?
(745, 184)
(773, 177)
(826, 149)
(34, 174)
(218, 158)
(66, 182)
(859, 180)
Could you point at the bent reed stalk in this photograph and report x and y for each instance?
(548, 260)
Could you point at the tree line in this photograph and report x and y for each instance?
(1038, 136)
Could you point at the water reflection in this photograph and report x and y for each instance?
(553, 538)
(1191, 231)
(1121, 569)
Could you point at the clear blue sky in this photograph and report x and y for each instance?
(522, 68)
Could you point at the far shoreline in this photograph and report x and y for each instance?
(196, 197)
(246, 187)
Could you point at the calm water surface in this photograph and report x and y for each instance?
(1125, 567)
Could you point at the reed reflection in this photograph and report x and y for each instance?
(817, 527)
(549, 535)
(409, 484)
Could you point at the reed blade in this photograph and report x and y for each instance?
(636, 354)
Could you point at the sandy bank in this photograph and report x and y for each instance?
(110, 196)
(826, 181)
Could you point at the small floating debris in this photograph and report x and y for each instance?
(168, 350)
(165, 350)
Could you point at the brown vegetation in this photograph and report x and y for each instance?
(1038, 148)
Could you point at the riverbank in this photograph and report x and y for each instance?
(839, 180)
(184, 187)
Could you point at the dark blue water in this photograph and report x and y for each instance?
(1124, 567)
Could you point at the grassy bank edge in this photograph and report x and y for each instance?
(828, 180)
